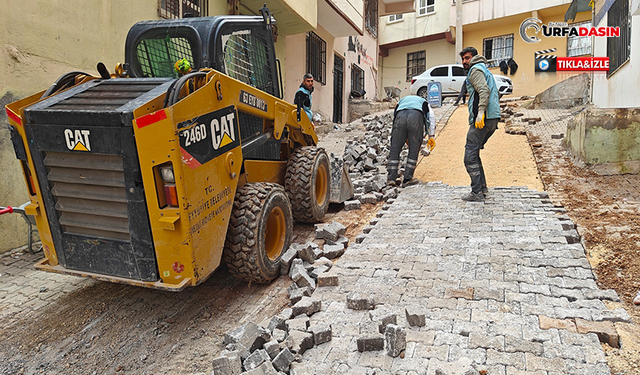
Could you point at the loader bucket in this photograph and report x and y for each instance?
(341, 186)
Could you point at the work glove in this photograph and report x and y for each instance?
(480, 119)
(431, 143)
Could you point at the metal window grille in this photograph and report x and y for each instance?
(246, 58)
(182, 8)
(618, 48)
(157, 56)
(499, 48)
(357, 78)
(426, 7)
(317, 57)
(579, 45)
(371, 18)
(416, 63)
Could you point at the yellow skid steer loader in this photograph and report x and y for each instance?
(151, 177)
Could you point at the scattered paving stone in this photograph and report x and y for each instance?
(356, 301)
(300, 323)
(321, 333)
(298, 341)
(326, 279)
(283, 360)
(250, 335)
(286, 259)
(383, 318)
(416, 316)
(279, 334)
(255, 359)
(352, 205)
(396, 340)
(342, 240)
(370, 343)
(300, 276)
(333, 251)
(605, 330)
(264, 369)
(307, 306)
(228, 363)
(272, 348)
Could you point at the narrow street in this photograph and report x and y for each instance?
(500, 283)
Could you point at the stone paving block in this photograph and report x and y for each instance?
(333, 251)
(333, 231)
(228, 363)
(318, 270)
(286, 259)
(352, 205)
(298, 341)
(342, 240)
(272, 348)
(307, 306)
(383, 318)
(548, 323)
(255, 359)
(358, 301)
(300, 276)
(295, 294)
(478, 340)
(416, 316)
(264, 369)
(305, 252)
(283, 360)
(250, 335)
(279, 334)
(299, 323)
(515, 359)
(466, 293)
(536, 363)
(321, 333)
(396, 340)
(370, 342)
(360, 238)
(605, 330)
(328, 279)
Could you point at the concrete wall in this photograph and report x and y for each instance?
(394, 66)
(526, 81)
(414, 26)
(619, 89)
(606, 139)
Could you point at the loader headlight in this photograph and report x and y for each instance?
(167, 174)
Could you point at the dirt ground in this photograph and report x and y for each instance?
(507, 159)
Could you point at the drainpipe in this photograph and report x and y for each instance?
(458, 30)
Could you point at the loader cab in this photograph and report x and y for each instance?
(241, 47)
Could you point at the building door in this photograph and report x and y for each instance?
(338, 88)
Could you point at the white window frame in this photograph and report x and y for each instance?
(425, 7)
(395, 18)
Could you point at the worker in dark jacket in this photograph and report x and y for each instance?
(484, 113)
(303, 96)
(412, 118)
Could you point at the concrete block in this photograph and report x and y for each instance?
(370, 343)
(255, 359)
(228, 363)
(286, 259)
(298, 341)
(333, 251)
(321, 333)
(396, 340)
(352, 205)
(357, 301)
(283, 360)
(416, 316)
(307, 306)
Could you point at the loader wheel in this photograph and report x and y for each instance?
(308, 183)
(259, 232)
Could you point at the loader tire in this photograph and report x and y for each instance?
(260, 230)
(308, 183)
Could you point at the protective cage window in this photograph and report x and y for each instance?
(156, 56)
(246, 58)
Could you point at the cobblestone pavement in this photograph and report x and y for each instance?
(502, 286)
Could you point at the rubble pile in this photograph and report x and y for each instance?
(366, 160)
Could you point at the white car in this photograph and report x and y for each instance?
(451, 77)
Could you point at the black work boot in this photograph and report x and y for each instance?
(473, 197)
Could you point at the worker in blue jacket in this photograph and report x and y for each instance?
(303, 96)
(412, 118)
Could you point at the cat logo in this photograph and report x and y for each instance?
(77, 140)
(223, 130)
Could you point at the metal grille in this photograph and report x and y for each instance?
(246, 58)
(496, 49)
(250, 126)
(184, 8)
(338, 78)
(108, 95)
(371, 17)
(416, 63)
(89, 191)
(579, 45)
(317, 57)
(618, 48)
(357, 78)
(158, 56)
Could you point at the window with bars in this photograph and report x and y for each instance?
(246, 58)
(357, 78)
(579, 45)
(618, 48)
(496, 49)
(395, 18)
(371, 17)
(426, 7)
(182, 8)
(157, 56)
(416, 63)
(317, 57)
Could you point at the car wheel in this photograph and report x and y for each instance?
(423, 92)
